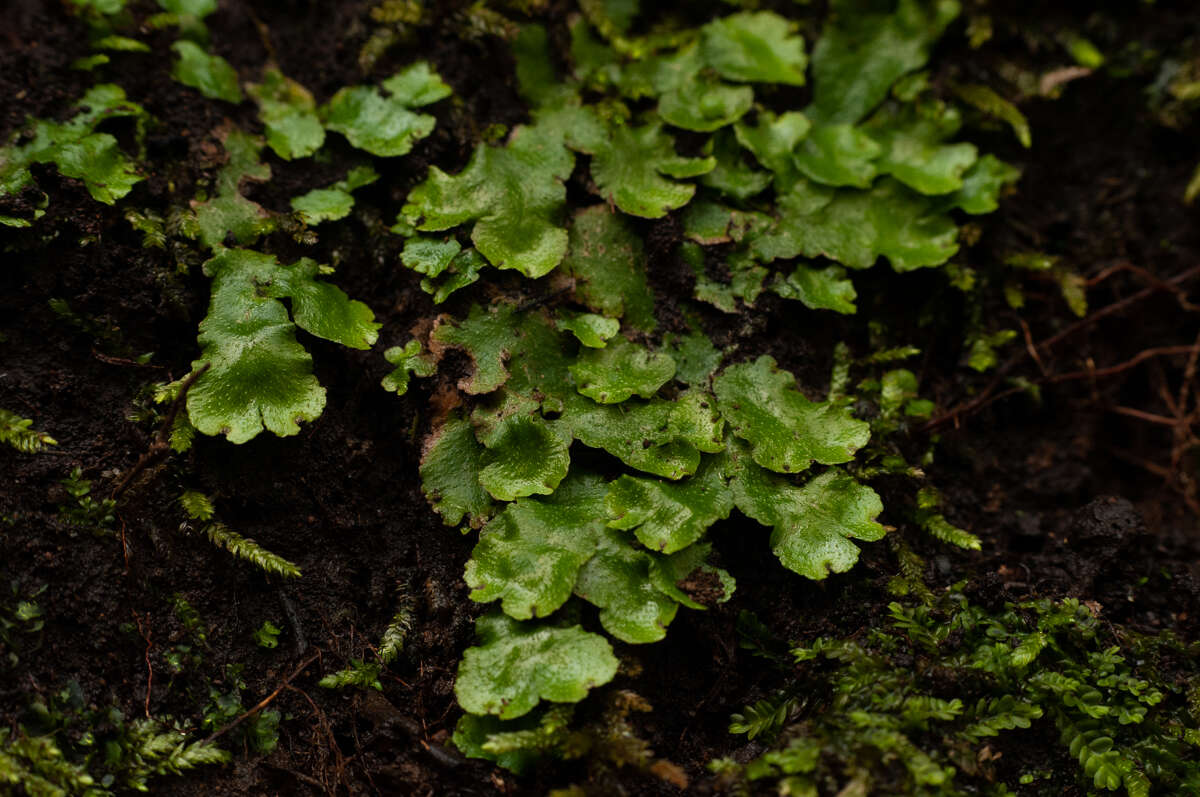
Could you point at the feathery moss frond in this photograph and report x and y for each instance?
(16, 432)
(249, 550)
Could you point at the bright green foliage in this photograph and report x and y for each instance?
(705, 105)
(620, 370)
(334, 202)
(65, 748)
(429, 256)
(864, 49)
(786, 431)
(515, 745)
(488, 337)
(847, 188)
(981, 351)
(259, 375)
(447, 259)
(628, 169)
(857, 227)
(987, 100)
(819, 288)
(755, 47)
(617, 579)
(386, 125)
(696, 358)
(928, 518)
(209, 74)
(76, 149)
(982, 185)
(525, 456)
(773, 141)
(517, 665)
(15, 431)
(450, 466)
(267, 635)
(667, 573)
(289, 113)
(812, 525)
(659, 437)
(609, 268)
(764, 718)
(733, 175)
(86, 511)
(228, 214)
(891, 728)
(391, 643)
(197, 505)
(913, 149)
(512, 193)
(189, 8)
(607, 740)
(591, 330)
(409, 361)
(838, 155)
(669, 516)
(530, 555)
(106, 7)
(360, 674)
(250, 551)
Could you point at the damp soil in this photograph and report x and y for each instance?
(1074, 494)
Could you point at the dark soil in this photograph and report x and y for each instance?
(1072, 495)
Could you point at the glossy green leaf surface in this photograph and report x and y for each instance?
(617, 579)
(517, 665)
(386, 124)
(856, 228)
(450, 464)
(259, 376)
(813, 525)
(229, 216)
(915, 152)
(786, 431)
(755, 47)
(513, 195)
(704, 104)
(76, 149)
(838, 155)
(629, 166)
(334, 202)
(525, 456)
(819, 288)
(608, 266)
(591, 330)
(289, 114)
(669, 516)
(209, 74)
(409, 361)
(620, 370)
(529, 556)
(866, 47)
(488, 337)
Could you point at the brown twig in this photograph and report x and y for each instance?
(1119, 305)
(162, 439)
(108, 358)
(1142, 415)
(987, 397)
(266, 701)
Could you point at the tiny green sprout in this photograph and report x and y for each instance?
(267, 635)
(409, 361)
